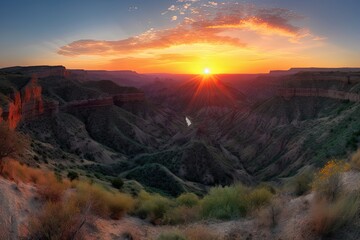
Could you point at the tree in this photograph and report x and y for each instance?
(117, 183)
(72, 175)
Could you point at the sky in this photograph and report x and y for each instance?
(180, 36)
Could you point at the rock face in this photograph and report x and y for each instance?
(40, 71)
(288, 93)
(26, 104)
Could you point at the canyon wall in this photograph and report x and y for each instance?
(288, 93)
(117, 100)
(26, 103)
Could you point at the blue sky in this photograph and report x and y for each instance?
(33, 31)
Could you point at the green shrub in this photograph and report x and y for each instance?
(72, 175)
(171, 236)
(153, 207)
(117, 183)
(225, 202)
(188, 199)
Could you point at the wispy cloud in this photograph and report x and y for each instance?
(209, 22)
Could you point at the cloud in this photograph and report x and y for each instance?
(209, 23)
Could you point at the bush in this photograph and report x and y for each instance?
(72, 175)
(259, 197)
(188, 199)
(181, 214)
(225, 202)
(301, 183)
(117, 183)
(327, 182)
(153, 207)
(102, 202)
(52, 190)
(327, 217)
(57, 221)
(171, 236)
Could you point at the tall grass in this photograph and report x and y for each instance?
(103, 202)
(57, 221)
(328, 216)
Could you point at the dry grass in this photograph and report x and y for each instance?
(103, 202)
(57, 221)
(182, 214)
(327, 217)
(49, 187)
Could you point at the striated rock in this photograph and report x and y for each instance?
(288, 93)
(40, 71)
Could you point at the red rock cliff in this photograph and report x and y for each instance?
(25, 104)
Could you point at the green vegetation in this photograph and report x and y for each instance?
(233, 201)
(72, 175)
(188, 200)
(157, 178)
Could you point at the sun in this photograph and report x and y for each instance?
(207, 71)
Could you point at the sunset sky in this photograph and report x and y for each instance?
(180, 36)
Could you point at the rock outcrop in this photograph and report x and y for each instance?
(26, 103)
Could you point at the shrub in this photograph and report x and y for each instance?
(301, 183)
(72, 175)
(327, 182)
(259, 197)
(171, 236)
(181, 214)
(52, 190)
(225, 202)
(117, 183)
(102, 202)
(355, 161)
(57, 221)
(327, 217)
(153, 207)
(188, 199)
